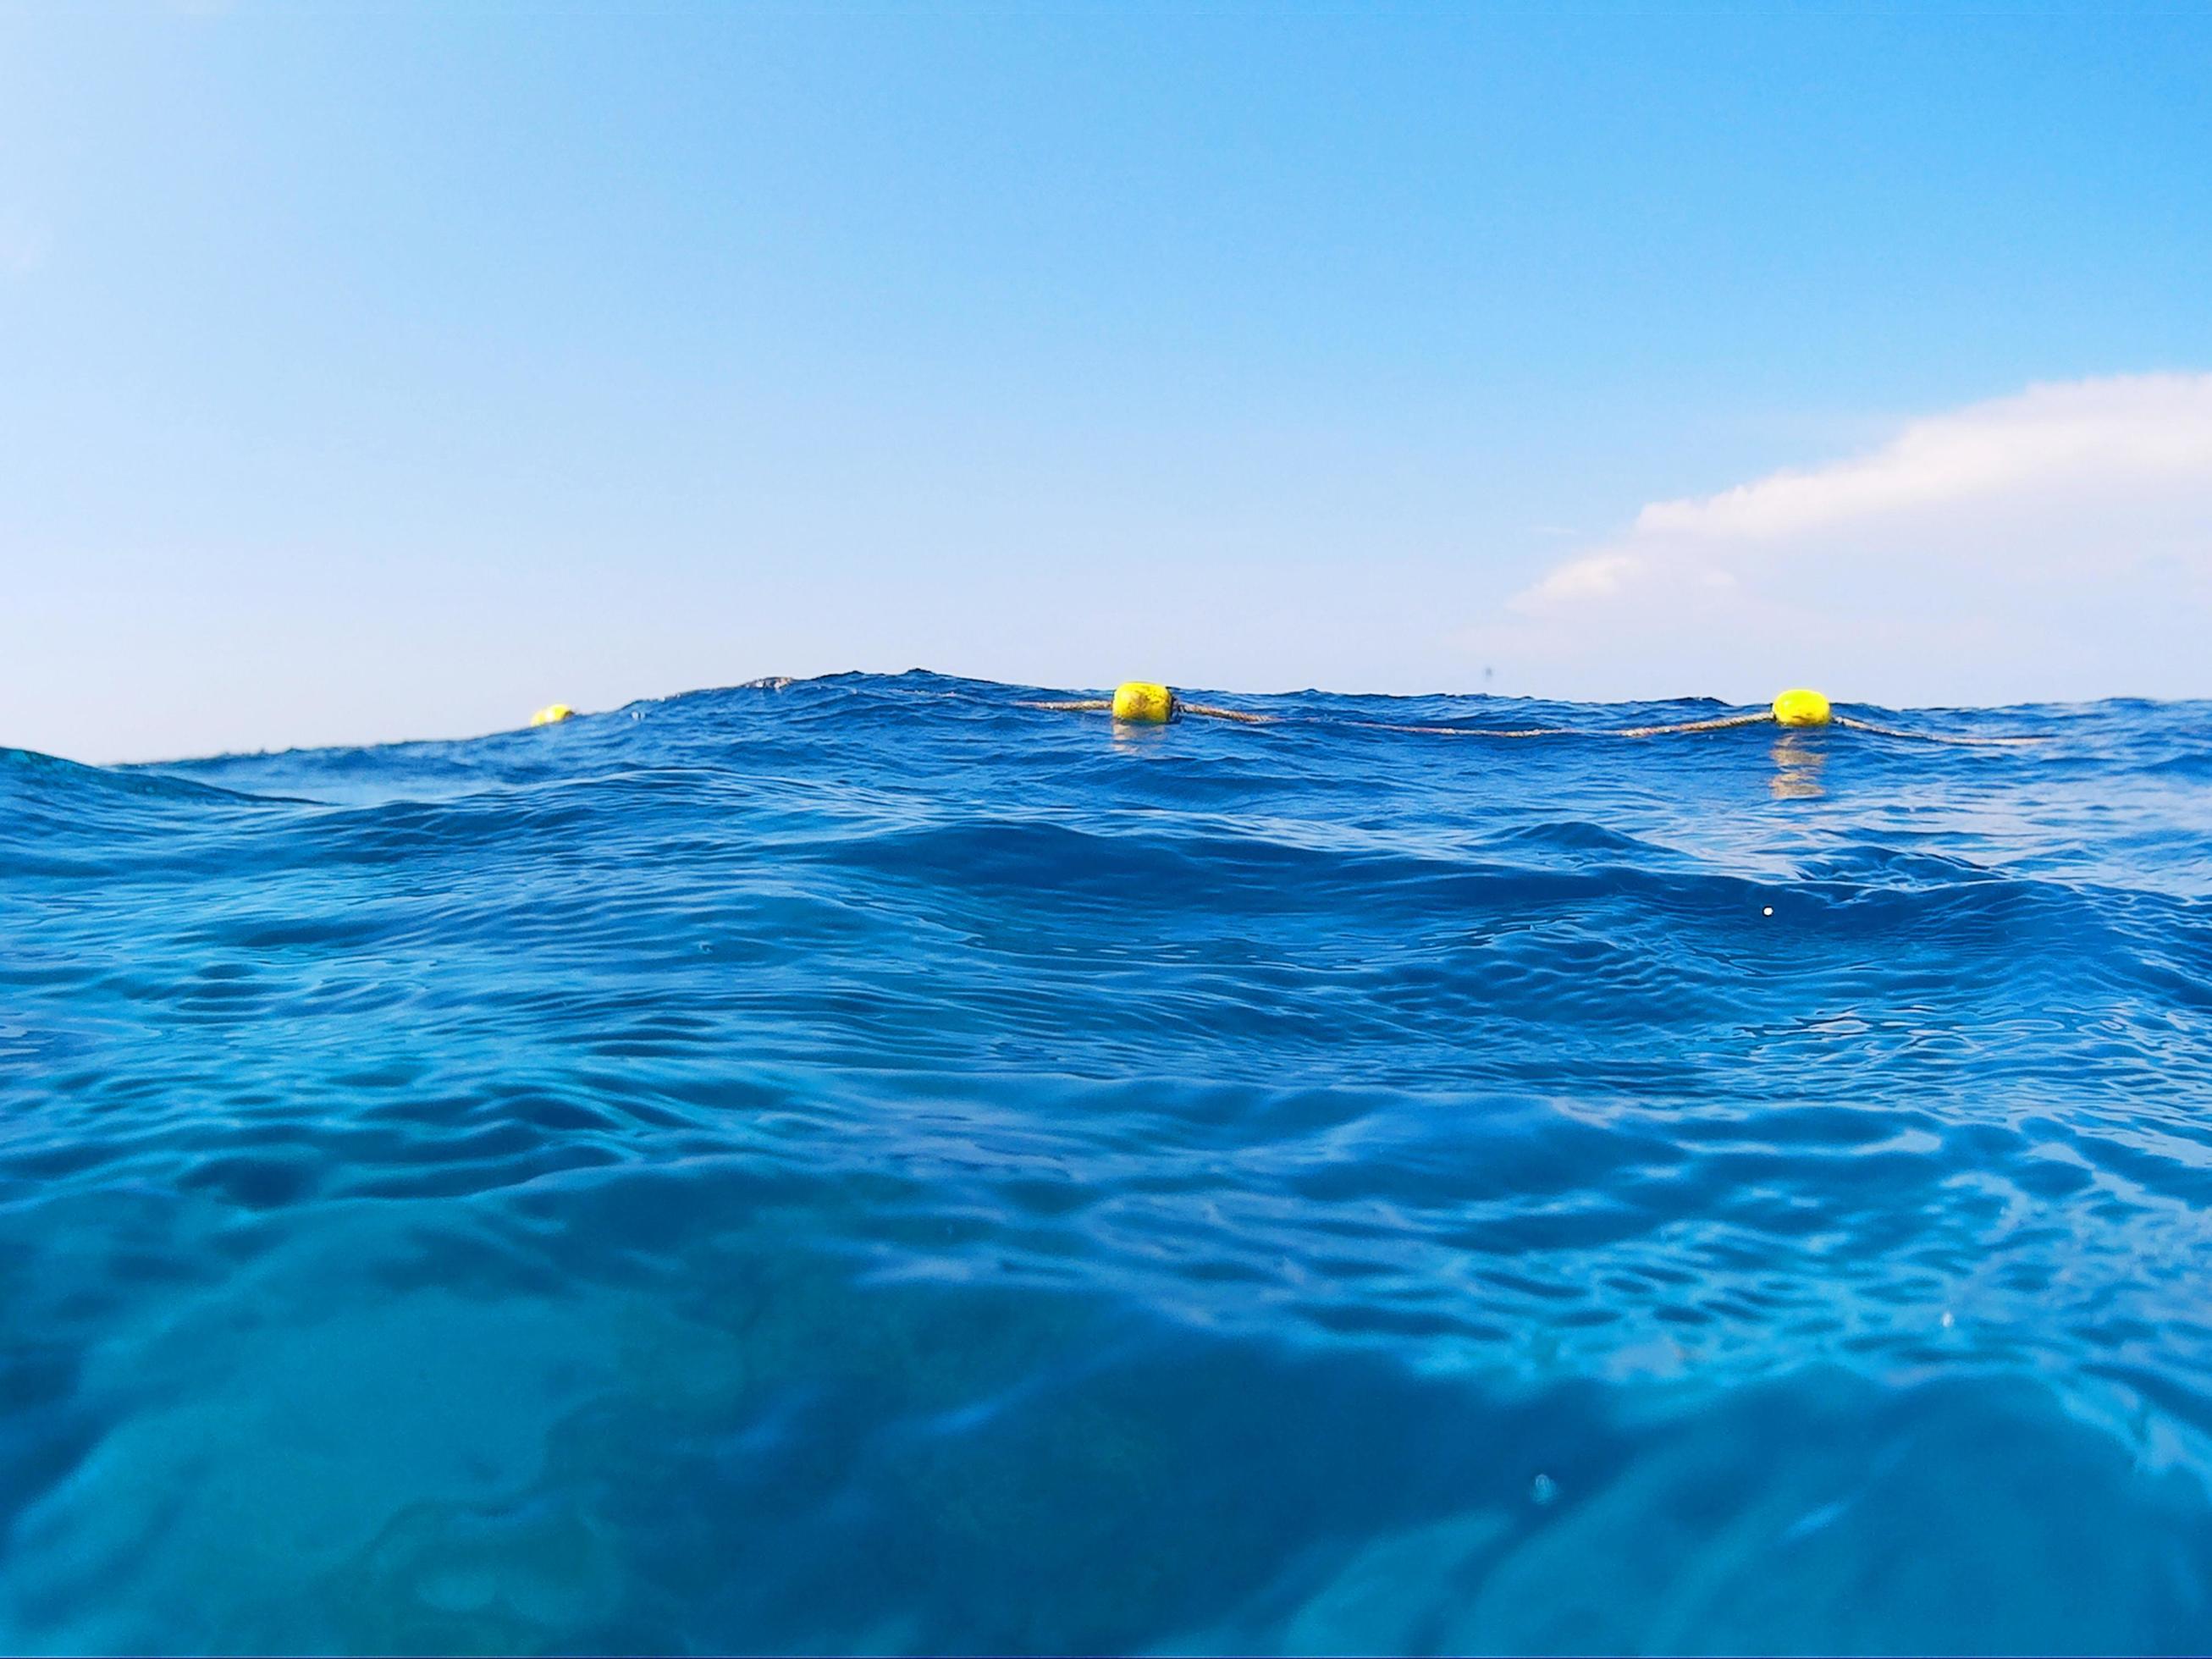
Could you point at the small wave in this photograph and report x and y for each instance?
(1314, 1186)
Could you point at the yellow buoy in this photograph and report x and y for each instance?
(1143, 703)
(1801, 708)
(552, 714)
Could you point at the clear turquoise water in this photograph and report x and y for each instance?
(866, 1165)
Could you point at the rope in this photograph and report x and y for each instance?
(1465, 730)
(1237, 714)
(1725, 723)
(1932, 736)
(1095, 705)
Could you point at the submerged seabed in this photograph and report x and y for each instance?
(864, 1165)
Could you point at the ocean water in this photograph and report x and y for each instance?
(866, 1164)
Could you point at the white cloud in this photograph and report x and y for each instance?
(1599, 576)
(2057, 544)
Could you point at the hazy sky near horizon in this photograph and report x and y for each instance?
(383, 371)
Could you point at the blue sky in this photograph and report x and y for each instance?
(370, 372)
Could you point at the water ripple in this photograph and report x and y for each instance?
(868, 1163)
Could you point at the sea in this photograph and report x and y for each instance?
(872, 1164)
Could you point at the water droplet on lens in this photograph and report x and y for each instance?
(1542, 1490)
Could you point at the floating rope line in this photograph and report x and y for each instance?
(1104, 705)
(1146, 702)
(1933, 737)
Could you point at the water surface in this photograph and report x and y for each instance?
(865, 1163)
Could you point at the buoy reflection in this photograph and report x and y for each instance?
(1797, 766)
